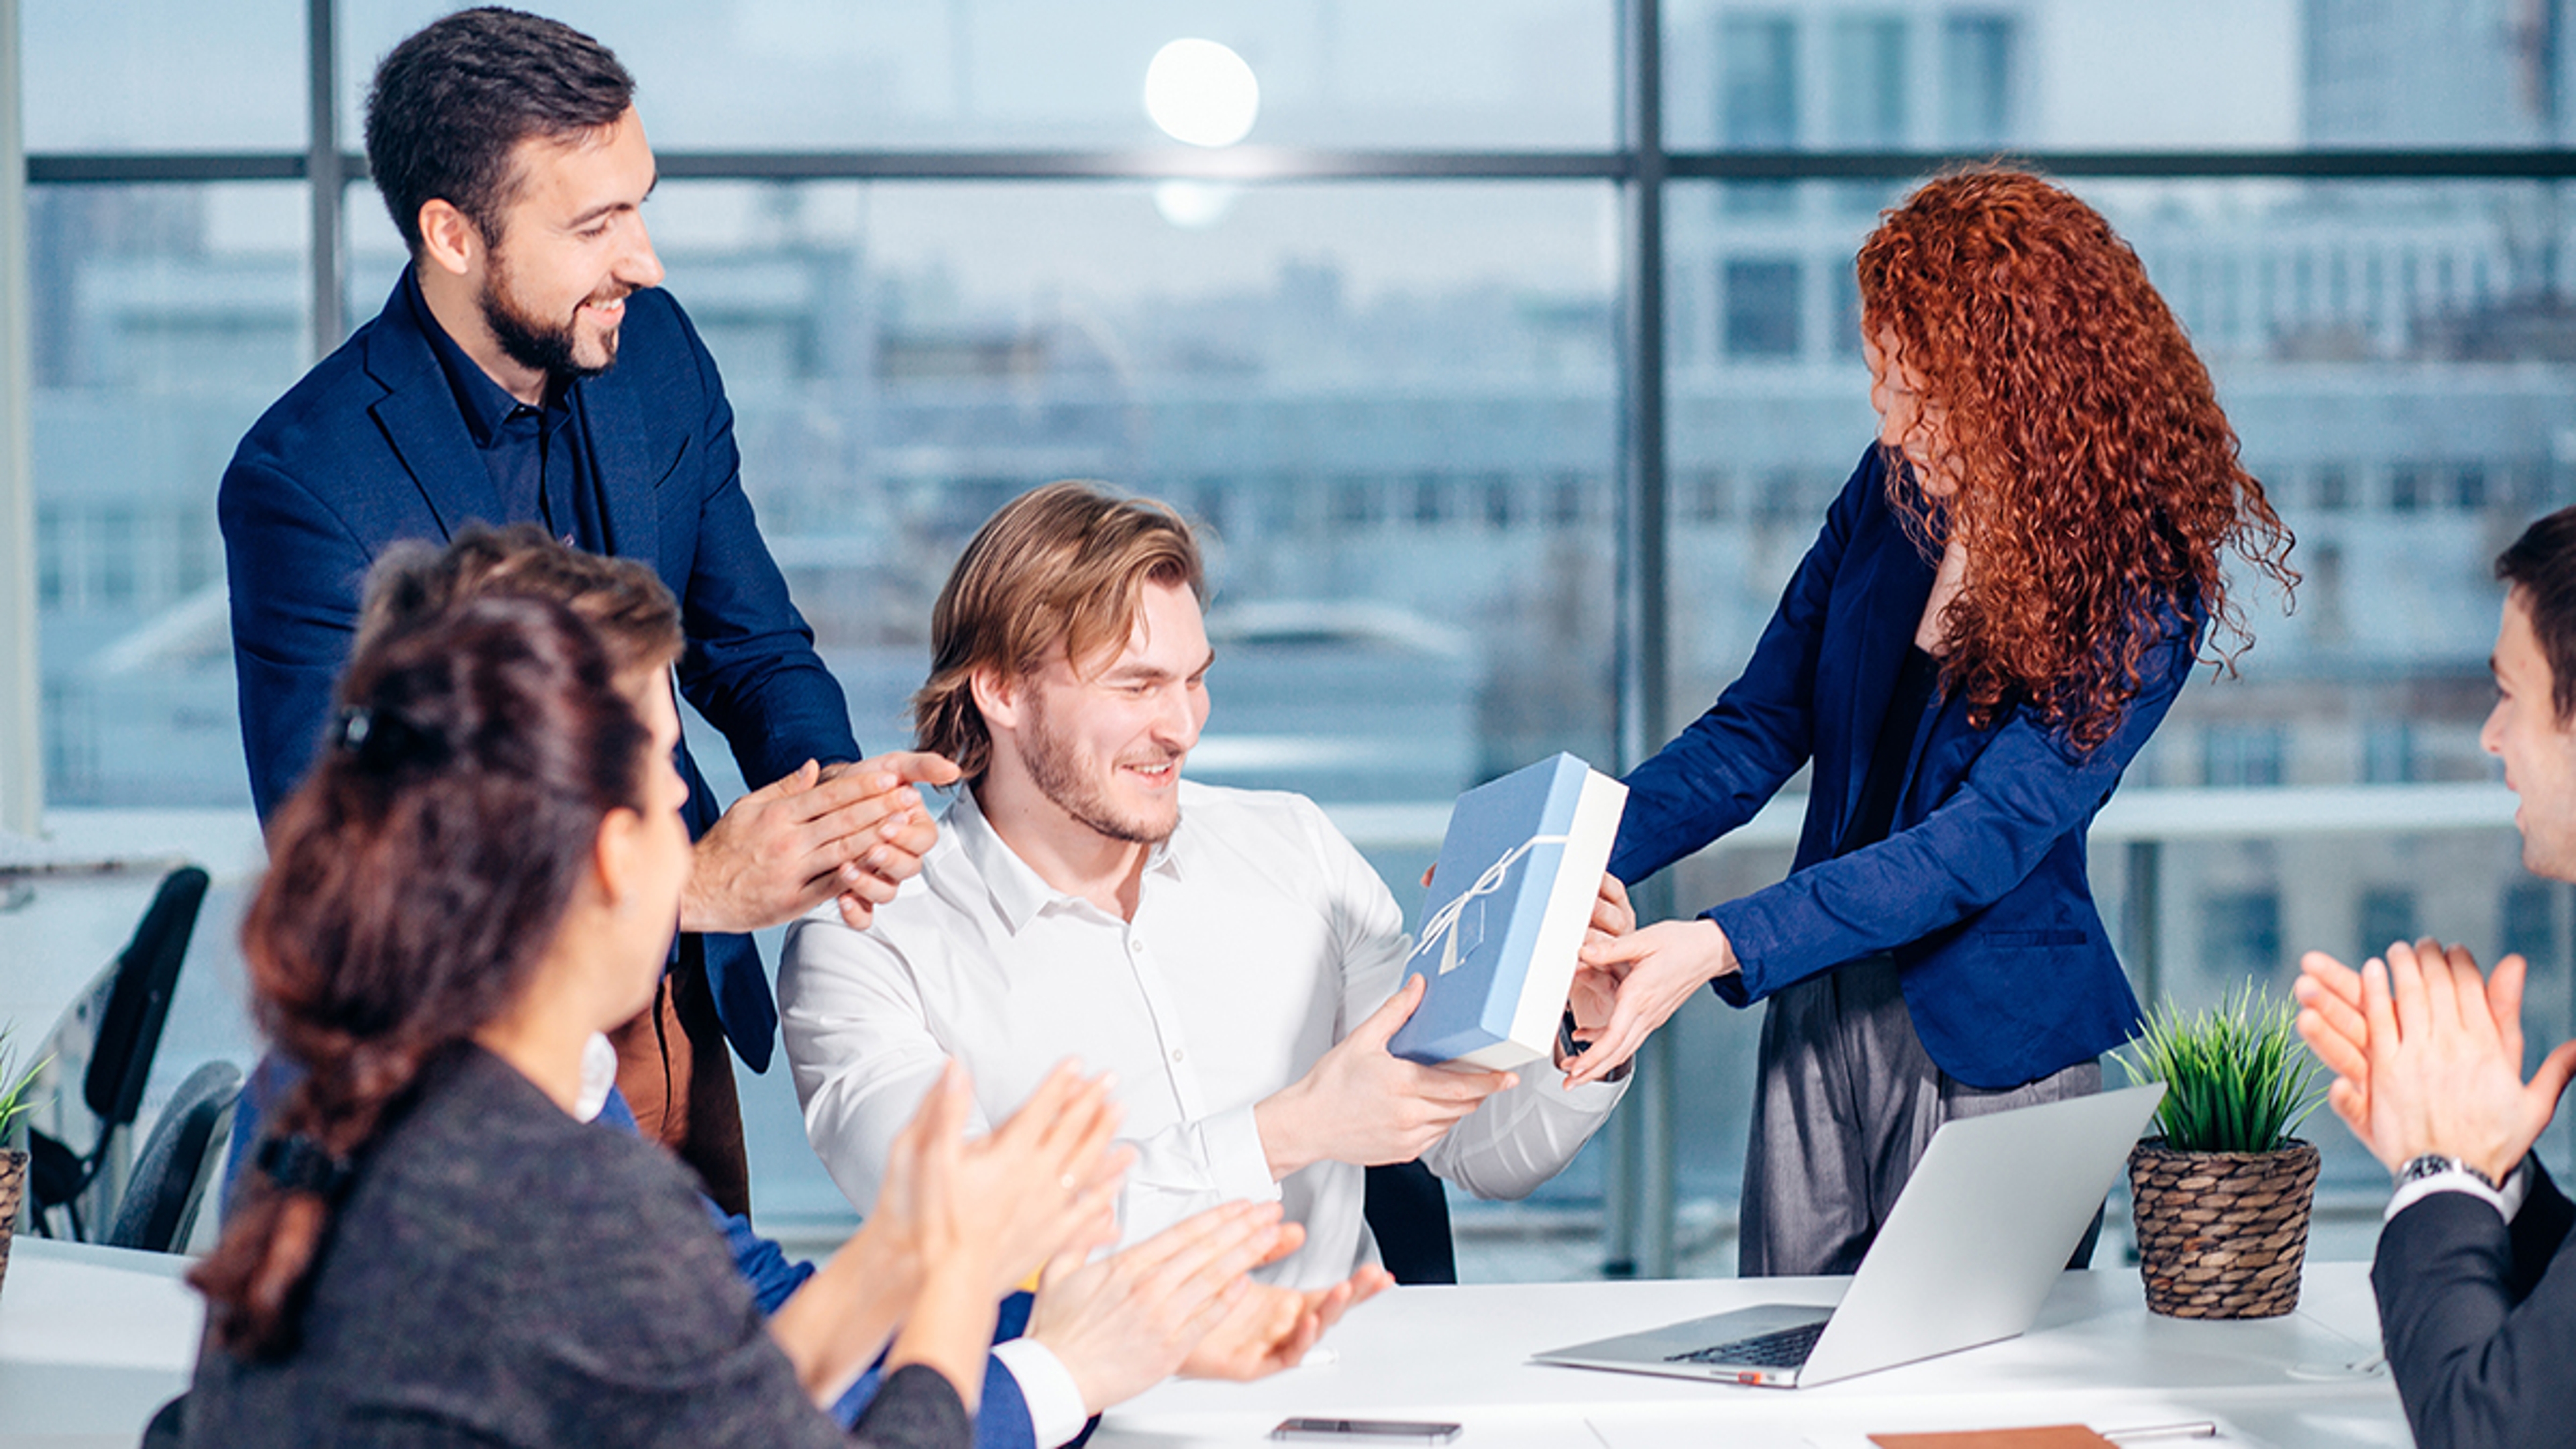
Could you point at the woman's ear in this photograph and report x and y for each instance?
(617, 859)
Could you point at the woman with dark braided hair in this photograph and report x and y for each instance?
(482, 873)
(2001, 606)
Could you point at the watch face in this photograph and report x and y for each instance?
(2434, 1165)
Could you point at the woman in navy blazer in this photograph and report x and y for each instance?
(2001, 606)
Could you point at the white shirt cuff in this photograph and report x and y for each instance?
(1235, 1159)
(2507, 1200)
(1047, 1387)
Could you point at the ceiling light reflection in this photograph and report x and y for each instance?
(1201, 92)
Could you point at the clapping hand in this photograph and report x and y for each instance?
(1128, 1321)
(1043, 1183)
(2427, 1056)
(1271, 1328)
(854, 832)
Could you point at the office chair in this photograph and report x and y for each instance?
(160, 1204)
(129, 1034)
(1408, 1213)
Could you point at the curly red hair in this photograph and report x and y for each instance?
(2099, 483)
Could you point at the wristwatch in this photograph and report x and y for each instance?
(1569, 1046)
(2434, 1164)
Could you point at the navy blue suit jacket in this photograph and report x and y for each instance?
(371, 447)
(2480, 1317)
(1979, 890)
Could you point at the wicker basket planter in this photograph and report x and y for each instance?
(2222, 1234)
(13, 1191)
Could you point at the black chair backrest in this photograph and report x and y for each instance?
(178, 1159)
(1407, 1211)
(147, 971)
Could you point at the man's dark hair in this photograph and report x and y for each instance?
(2541, 567)
(451, 103)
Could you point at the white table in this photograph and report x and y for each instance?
(93, 1340)
(2095, 1357)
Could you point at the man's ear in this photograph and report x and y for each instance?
(449, 239)
(997, 698)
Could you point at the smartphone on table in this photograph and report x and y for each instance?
(1402, 1431)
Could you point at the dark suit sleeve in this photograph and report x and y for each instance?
(1720, 770)
(295, 570)
(750, 669)
(2480, 1318)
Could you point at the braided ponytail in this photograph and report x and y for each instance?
(414, 882)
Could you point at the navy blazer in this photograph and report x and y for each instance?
(2479, 1317)
(371, 447)
(1979, 891)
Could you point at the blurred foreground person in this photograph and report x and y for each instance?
(482, 872)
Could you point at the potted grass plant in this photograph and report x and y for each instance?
(2223, 1194)
(15, 1087)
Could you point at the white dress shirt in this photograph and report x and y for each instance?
(1260, 938)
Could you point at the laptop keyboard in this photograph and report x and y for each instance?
(1786, 1348)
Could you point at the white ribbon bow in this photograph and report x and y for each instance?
(1442, 928)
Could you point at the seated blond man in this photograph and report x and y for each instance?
(1226, 952)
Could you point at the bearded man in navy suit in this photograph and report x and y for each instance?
(2476, 1268)
(528, 369)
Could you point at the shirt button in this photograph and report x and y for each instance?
(1176, 1054)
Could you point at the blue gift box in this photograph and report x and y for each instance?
(1508, 905)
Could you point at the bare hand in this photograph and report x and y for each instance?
(1271, 1328)
(1650, 972)
(1612, 913)
(2444, 1063)
(853, 831)
(894, 856)
(1361, 1104)
(1126, 1323)
(1046, 1180)
(2329, 995)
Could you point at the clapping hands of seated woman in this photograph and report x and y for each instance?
(2427, 1055)
(957, 1224)
(1179, 1302)
(1270, 1328)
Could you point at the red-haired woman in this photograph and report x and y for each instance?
(2001, 606)
(481, 873)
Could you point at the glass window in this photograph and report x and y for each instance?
(1757, 56)
(2387, 913)
(811, 75)
(1977, 55)
(162, 75)
(1762, 306)
(2241, 934)
(1865, 103)
(2530, 922)
(164, 320)
(2388, 756)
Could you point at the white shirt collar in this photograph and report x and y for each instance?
(1019, 893)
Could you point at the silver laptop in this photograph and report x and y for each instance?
(1971, 1249)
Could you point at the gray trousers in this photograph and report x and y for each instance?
(1846, 1101)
